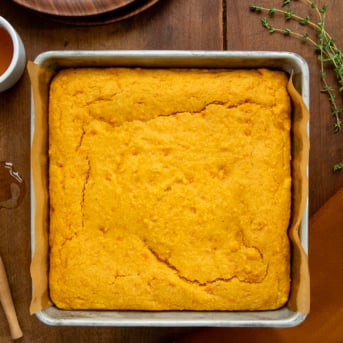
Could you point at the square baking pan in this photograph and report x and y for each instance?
(286, 61)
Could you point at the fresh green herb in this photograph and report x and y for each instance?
(272, 11)
(329, 55)
(288, 14)
(305, 20)
(338, 167)
(305, 37)
(328, 52)
(287, 32)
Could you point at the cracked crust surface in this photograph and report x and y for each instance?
(169, 189)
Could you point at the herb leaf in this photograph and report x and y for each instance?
(330, 57)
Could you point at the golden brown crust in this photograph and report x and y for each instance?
(169, 189)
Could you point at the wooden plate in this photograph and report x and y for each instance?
(108, 17)
(125, 12)
(74, 8)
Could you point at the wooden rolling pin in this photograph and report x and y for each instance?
(11, 194)
(7, 304)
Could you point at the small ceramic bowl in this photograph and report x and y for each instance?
(16, 67)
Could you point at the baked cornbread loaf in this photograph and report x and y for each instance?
(169, 189)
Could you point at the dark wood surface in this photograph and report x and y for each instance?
(169, 24)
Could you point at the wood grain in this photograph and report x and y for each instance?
(7, 304)
(100, 17)
(74, 8)
(107, 17)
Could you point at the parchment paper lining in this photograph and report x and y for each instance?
(299, 300)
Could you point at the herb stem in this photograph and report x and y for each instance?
(287, 14)
(325, 46)
(288, 32)
(329, 55)
(337, 167)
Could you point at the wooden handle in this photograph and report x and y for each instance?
(7, 304)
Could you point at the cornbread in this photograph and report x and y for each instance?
(169, 189)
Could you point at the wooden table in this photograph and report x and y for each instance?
(170, 24)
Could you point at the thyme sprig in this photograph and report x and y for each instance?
(337, 167)
(329, 54)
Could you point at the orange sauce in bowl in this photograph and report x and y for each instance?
(6, 50)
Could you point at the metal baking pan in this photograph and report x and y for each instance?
(285, 61)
